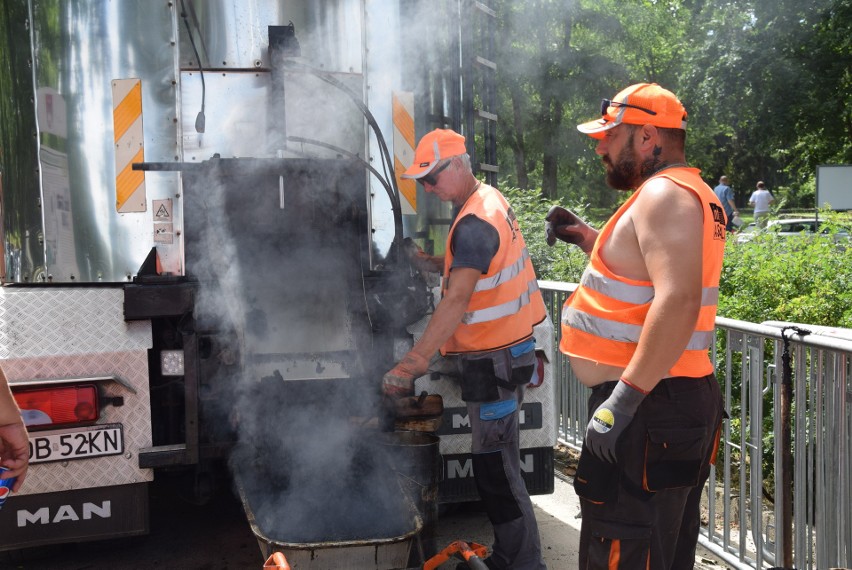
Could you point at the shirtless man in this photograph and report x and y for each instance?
(637, 331)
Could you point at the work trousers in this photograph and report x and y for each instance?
(643, 512)
(497, 471)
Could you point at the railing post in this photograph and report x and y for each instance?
(786, 436)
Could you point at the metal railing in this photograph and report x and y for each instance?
(780, 494)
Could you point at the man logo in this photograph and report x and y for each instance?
(64, 513)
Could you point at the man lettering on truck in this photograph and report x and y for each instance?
(637, 331)
(14, 443)
(489, 306)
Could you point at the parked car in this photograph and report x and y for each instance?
(791, 227)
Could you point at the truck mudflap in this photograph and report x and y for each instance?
(458, 485)
(74, 516)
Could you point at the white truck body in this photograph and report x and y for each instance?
(122, 118)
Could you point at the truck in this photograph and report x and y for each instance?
(204, 225)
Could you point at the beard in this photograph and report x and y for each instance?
(622, 173)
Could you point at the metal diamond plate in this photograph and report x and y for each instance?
(64, 321)
(545, 394)
(71, 333)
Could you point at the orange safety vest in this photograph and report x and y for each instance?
(603, 318)
(506, 303)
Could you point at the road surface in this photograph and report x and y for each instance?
(215, 536)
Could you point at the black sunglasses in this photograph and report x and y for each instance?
(606, 103)
(431, 178)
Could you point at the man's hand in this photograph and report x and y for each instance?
(421, 260)
(565, 225)
(14, 452)
(611, 419)
(399, 382)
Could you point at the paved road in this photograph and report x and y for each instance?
(216, 536)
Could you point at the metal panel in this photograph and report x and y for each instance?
(289, 279)
(67, 321)
(78, 47)
(234, 128)
(79, 332)
(542, 398)
(59, 219)
(232, 34)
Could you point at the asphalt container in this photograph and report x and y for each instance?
(375, 508)
(416, 458)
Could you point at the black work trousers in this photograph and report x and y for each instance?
(643, 512)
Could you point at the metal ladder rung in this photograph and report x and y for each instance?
(487, 63)
(484, 9)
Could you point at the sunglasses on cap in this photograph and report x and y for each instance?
(606, 103)
(431, 178)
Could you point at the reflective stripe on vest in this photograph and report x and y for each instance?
(502, 310)
(504, 275)
(602, 320)
(506, 302)
(635, 294)
(623, 332)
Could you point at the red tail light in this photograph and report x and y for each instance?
(53, 407)
(538, 372)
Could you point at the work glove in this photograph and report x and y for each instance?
(611, 419)
(420, 259)
(565, 225)
(399, 381)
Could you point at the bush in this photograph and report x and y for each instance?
(802, 279)
(558, 263)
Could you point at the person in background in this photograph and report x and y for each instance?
(637, 332)
(726, 196)
(14, 442)
(761, 199)
(489, 305)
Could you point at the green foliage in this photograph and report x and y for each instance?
(558, 263)
(767, 84)
(796, 196)
(803, 279)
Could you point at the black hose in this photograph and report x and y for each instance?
(348, 154)
(388, 181)
(200, 120)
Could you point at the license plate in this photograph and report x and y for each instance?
(76, 443)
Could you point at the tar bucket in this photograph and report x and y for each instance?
(416, 457)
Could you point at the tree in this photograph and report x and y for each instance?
(556, 60)
(766, 83)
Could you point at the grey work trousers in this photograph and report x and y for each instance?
(497, 471)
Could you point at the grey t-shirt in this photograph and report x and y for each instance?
(475, 243)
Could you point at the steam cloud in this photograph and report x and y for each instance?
(283, 306)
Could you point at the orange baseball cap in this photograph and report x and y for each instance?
(432, 148)
(640, 104)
